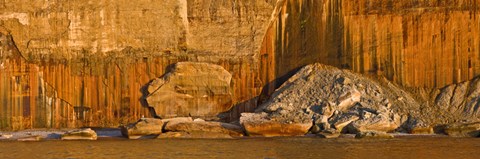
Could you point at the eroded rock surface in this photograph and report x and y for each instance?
(203, 129)
(335, 98)
(191, 89)
(463, 129)
(143, 128)
(262, 125)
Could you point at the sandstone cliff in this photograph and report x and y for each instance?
(88, 63)
(79, 63)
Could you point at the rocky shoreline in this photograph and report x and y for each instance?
(185, 128)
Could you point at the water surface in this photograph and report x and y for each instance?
(299, 147)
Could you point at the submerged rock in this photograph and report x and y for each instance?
(463, 129)
(191, 89)
(144, 128)
(30, 138)
(373, 134)
(81, 134)
(259, 125)
(204, 129)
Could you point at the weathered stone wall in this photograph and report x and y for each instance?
(413, 43)
(87, 63)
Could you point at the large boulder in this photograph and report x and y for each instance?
(260, 125)
(463, 129)
(80, 134)
(204, 129)
(191, 89)
(143, 128)
(334, 98)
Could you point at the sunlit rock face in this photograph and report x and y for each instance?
(87, 63)
(413, 43)
(191, 89)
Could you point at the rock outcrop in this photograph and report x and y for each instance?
(335, 98)
(144, 128)
(81, 134)
(191, 89)
(463, 129)
(203, 129)
(461, 100)
(262, 125)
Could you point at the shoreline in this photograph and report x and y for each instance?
(115, 134)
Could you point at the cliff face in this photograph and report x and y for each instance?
(413, 43)
(88, 63)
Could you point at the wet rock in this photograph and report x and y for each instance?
(373, 135)
(203, 129)
(143, 128)
(81, 134)
(259, 125)
(30, 138)
(191, 89)
(195, 134)
(463, 129)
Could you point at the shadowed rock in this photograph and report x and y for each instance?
(463, 129)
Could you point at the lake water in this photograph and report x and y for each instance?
(296, 147)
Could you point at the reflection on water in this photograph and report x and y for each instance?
(247, 148)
